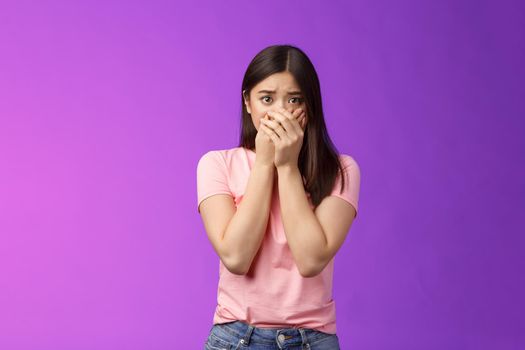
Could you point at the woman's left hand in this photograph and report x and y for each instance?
(286, 132)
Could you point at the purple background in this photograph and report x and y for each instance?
(106, 107)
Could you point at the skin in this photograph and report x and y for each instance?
(236, 234)
(261, 105)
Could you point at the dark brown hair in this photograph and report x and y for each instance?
(318, 159)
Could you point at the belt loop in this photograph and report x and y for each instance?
(305, 344)
(246, 338)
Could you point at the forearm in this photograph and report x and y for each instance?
(246, 229)
(303, 231)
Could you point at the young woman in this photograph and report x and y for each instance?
(276, 209)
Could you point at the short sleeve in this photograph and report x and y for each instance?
(350, 192)
(212, 176)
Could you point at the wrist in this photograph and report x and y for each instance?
(264, 166)
(287, 169)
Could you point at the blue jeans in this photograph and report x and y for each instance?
(238, 335)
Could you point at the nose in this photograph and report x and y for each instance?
(283, 105)
(286, 107)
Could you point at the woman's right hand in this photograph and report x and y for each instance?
(264, 147)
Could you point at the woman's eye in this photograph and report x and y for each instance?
(268, 99)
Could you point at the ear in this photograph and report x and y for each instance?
(246, 98)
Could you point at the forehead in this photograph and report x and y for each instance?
(282, 81)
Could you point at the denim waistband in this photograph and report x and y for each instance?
(249, 333)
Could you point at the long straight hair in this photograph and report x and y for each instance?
(318, 159)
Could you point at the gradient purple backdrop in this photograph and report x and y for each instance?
(106, 107)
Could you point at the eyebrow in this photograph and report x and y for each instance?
(272, 91)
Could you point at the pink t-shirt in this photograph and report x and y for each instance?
(273, 294)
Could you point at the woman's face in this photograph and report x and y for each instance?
(277, 90)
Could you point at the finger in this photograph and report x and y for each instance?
(275, 126)
(301, 121)
(270, 133)
(290, 125)
(293, 115)
(303, 117)
(281, 119)
(297, 114)
(288, 114)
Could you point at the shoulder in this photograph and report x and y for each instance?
(212, 159)
(225, 156)
(219, 153)
(348, 162)
(351, 171)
